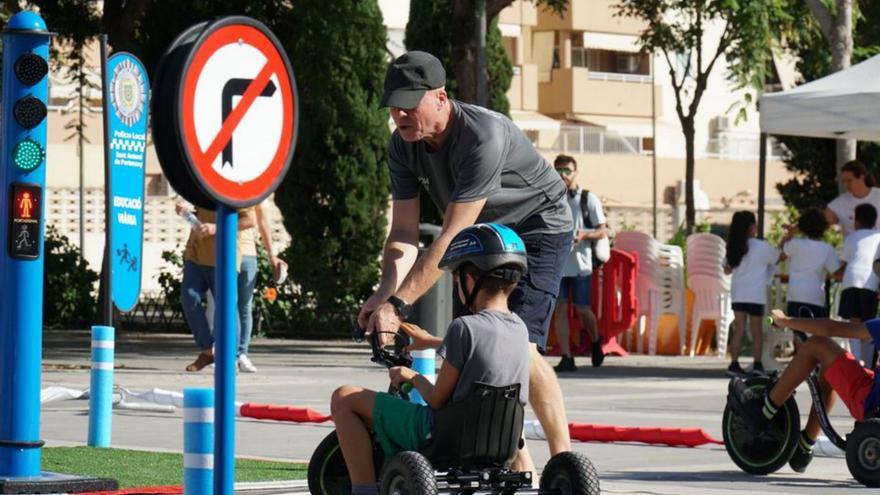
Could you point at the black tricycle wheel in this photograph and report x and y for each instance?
(570, 473)
(863, 452)
(766, 451)
(328, 474)
(408, 473)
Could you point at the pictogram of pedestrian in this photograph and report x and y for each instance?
(25, 205)
(125, 256)
(22, 241)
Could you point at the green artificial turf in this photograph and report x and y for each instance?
(135, 468)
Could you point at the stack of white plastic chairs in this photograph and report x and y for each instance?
(711, 287)
(660, 283)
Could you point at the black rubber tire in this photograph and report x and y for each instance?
(863, 452)
(570, 473)
(328, 474)
(408, 472)
(768, 451)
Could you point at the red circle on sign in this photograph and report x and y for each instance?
(215, 185)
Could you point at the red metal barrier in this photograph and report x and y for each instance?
(614, 302)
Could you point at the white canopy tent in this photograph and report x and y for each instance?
(843, 105)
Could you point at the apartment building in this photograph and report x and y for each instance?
(581, 86)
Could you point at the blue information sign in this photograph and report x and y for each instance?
(128, 93)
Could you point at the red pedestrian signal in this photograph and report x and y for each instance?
(24, 222)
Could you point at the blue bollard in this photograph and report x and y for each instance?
(198, 441)
(101, 388)
(424, 363)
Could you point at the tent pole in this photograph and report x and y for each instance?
(762, 182)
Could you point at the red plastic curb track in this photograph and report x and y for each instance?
(283, 413)
(685, 437)
(144, 490)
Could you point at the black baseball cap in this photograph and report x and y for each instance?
(409, 77)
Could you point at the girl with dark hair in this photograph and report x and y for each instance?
(752, 262)
(860, 188)
(810, 261)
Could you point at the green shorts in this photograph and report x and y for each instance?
(400, 425)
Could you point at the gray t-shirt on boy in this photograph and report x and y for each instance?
(485, 156)
(491, 347)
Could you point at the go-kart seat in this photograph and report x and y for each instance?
(481, 431)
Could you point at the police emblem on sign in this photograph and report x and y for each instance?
(128, 91)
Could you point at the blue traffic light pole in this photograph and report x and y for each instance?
(22, 163)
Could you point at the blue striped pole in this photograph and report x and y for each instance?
(101, 388)
(225, 334)
(198, 441)
(425, 364)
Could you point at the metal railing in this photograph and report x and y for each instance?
(586, 139)
(618, 77)
(741, 147)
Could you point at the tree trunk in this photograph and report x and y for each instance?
(841, 42)
(687, 128)
(464, 50)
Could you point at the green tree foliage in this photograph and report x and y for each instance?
(678, 27)
(813, 160)
(335, 196)
(69, 295)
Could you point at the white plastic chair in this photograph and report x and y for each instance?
(711, 287)
(668, 295)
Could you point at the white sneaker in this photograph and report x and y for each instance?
(246, 365)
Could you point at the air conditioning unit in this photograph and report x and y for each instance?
(719, 124)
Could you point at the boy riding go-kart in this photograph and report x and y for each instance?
(769, 436)
(466, 436)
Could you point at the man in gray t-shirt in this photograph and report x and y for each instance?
(476, 166)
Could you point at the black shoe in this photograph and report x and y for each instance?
(565, 364)
(801, 458)
(735, 370)
(747, 403)
(757, 369)
(597, 355)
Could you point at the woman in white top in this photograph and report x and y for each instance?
(860, 189)
(811, 260)
(752, 262)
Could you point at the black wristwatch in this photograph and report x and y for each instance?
(403, 308)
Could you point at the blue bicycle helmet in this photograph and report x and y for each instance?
(495, 250)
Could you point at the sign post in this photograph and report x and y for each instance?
(225, 120)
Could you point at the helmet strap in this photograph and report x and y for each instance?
(469, 296)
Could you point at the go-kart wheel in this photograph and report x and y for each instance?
(327, 472)
(863, 452)
(408, 473)
(766, 451)
(570, 473)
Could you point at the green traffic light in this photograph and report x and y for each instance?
(28, 154)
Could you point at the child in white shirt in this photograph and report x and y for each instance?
(810, 261)
(858, 299)
(752, 263)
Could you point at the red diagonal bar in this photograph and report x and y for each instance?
(247, 99)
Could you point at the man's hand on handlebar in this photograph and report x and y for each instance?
(400, 375)
(421, 339)
(385, 322)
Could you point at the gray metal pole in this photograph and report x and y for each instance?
(654, 150)
(482, 89)
(762, 183)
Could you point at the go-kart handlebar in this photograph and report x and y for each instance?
(389, 356)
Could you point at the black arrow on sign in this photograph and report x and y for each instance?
(232, 88)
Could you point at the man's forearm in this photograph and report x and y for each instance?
(424, 273)
(397, 261)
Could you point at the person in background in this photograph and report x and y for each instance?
(247, 279)
(577, 276)
(858, 297)
(860, 188)
(752, 262)
(198, 277)
(810, 262)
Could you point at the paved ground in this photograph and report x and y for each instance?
(636, 391)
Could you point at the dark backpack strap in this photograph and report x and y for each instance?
(585, 209)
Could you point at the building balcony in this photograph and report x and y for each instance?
(589, 15)
(523, 92)
(580, 91)
(520, 12)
